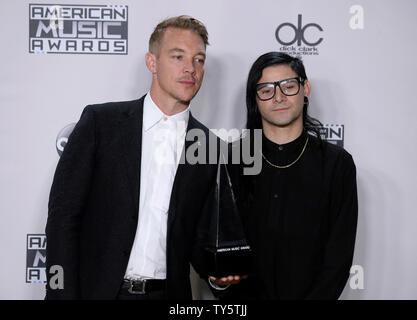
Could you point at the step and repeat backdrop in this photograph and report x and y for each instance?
(360, 59)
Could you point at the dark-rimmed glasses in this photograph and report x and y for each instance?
(289, 87)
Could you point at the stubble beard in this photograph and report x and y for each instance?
(282, 123)
(185, 101)
(181, 100)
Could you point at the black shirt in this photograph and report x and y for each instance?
(300, 221)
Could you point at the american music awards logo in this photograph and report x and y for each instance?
(333, 133)
(35, 258)
(299, 39)
(78, 29)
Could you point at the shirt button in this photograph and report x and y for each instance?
(280, 148)
(275, 196)
(165, 118)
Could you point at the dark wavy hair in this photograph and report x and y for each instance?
(254, 120)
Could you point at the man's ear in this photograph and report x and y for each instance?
(150, 60)
(307, 88)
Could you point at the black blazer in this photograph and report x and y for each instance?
(94, 200)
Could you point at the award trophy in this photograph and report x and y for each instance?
(228, 253)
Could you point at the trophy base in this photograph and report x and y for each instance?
(226, 261)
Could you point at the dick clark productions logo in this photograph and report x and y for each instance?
(299, 39)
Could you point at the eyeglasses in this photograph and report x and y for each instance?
(289, 87)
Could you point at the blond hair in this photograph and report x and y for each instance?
(181, 22)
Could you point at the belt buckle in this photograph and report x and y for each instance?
(137, 283)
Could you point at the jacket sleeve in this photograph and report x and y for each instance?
(69, 191)
(339, 248)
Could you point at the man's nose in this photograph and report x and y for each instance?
(189, 66)
(279, 96)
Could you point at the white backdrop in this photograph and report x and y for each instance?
(362, 77)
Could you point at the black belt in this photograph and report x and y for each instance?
(143, 286)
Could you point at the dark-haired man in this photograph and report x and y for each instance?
(124, 213)
(300, 212)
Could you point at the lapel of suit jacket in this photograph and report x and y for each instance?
(131, 131)
(183, 170)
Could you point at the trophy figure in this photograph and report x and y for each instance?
(228, 253)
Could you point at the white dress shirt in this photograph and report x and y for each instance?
(162, 143)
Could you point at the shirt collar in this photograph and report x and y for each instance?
(290, 147)
(153, 115)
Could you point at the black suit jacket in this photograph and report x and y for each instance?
(94, 199)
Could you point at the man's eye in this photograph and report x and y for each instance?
(177, 57)
(199, 60)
